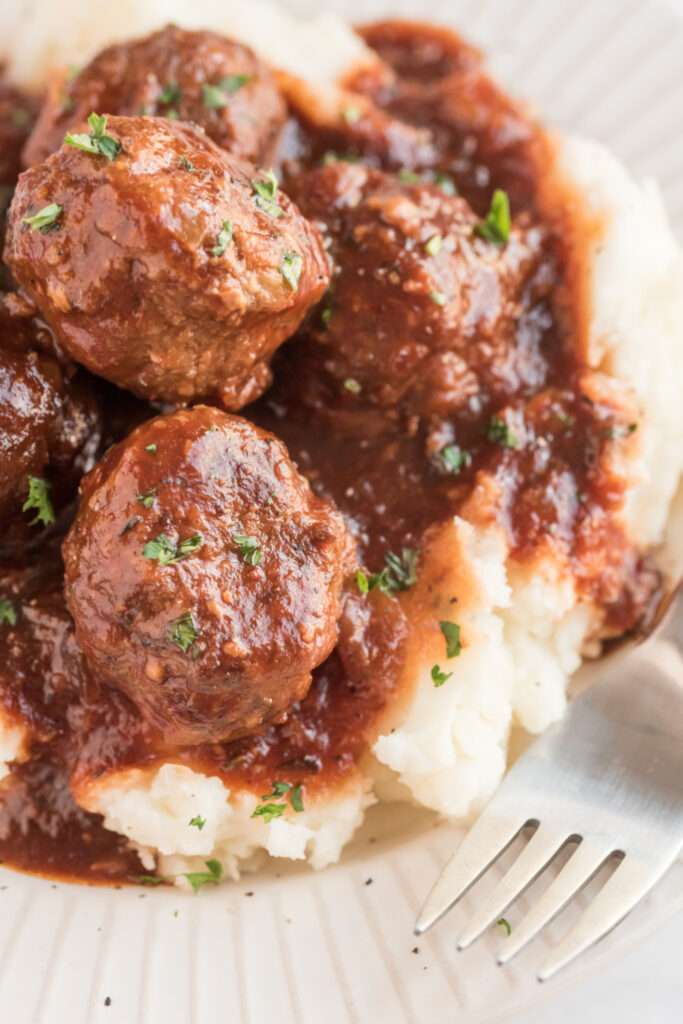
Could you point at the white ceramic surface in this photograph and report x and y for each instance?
(290, 946)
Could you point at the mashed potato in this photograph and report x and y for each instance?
(527, 628)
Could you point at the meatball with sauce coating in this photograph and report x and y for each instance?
(50, 429)
(219, 84)
(422, 310)
(166, 265)
(203, 575)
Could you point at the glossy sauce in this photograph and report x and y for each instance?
(384, 473)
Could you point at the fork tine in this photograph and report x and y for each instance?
(482, 845)
(536, 855)
(579, 869)
(632, 880)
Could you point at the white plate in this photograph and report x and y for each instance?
(296, 947)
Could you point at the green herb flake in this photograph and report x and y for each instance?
(351, 114)
(149, 880)
(503, 923)
(97, 141)
(45, 219)
(224, 238)
(326, 316)
(362, 582)
(290, 268)
(216, 96)
(500, 433)
(451, 633)
(170, 95)
(148, 499)
(296, 798)
(39, 499)
(439, 677)
(401, 569)
(269, 812)
(266, 195)
(166, 552)
(197, 822)
(433, 245)
(183, 632)
(8, 613)
(496, 227)
(212, 875)
(233, 83)
(438, 298)
(187, 165)
(248, 548)
(151, 448)
(352, 386)
(454, 459)
(446, 184)
(409, 177)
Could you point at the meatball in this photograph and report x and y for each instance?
(194, 76)
(166, 266)
(422, 310)
(203, 575)
(50, 430)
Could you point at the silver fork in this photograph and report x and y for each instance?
(609, 778)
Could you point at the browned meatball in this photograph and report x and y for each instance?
(194, 76)
(421, 309)
(50, 430)
(172, 269)
(203, 575)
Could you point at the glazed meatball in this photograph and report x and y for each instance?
(203, 575)
(168, 267)
(422, 310)
(192, 76)
(50, 430)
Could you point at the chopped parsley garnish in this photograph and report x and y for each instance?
(269, 811)
(499, 432)
(149, 880)
(330, 157)
(249, 548)
(496, 227)
(351, 114)
(438, 298)
(39, 499)
(439, 677)
(362, 582)
(187, 165)
(147, 499)
(280, 791)
(167, 552)
(451, 632)
(197, 822)
(8, 613)
(619, 431)
(151, 448)
(503, 923)
(433, 246)
(45, 218)
(446, 184)
(97, 141)
(290, 268)
(266, 195)
(211, 876)
(409, 177)
(326, 315)
(183, 632)
(170, 94)
(352, 385)
(454, 459)
(224, 239)
(401, 569)
(216, 96)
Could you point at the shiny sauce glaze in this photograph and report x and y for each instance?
(386, 471)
